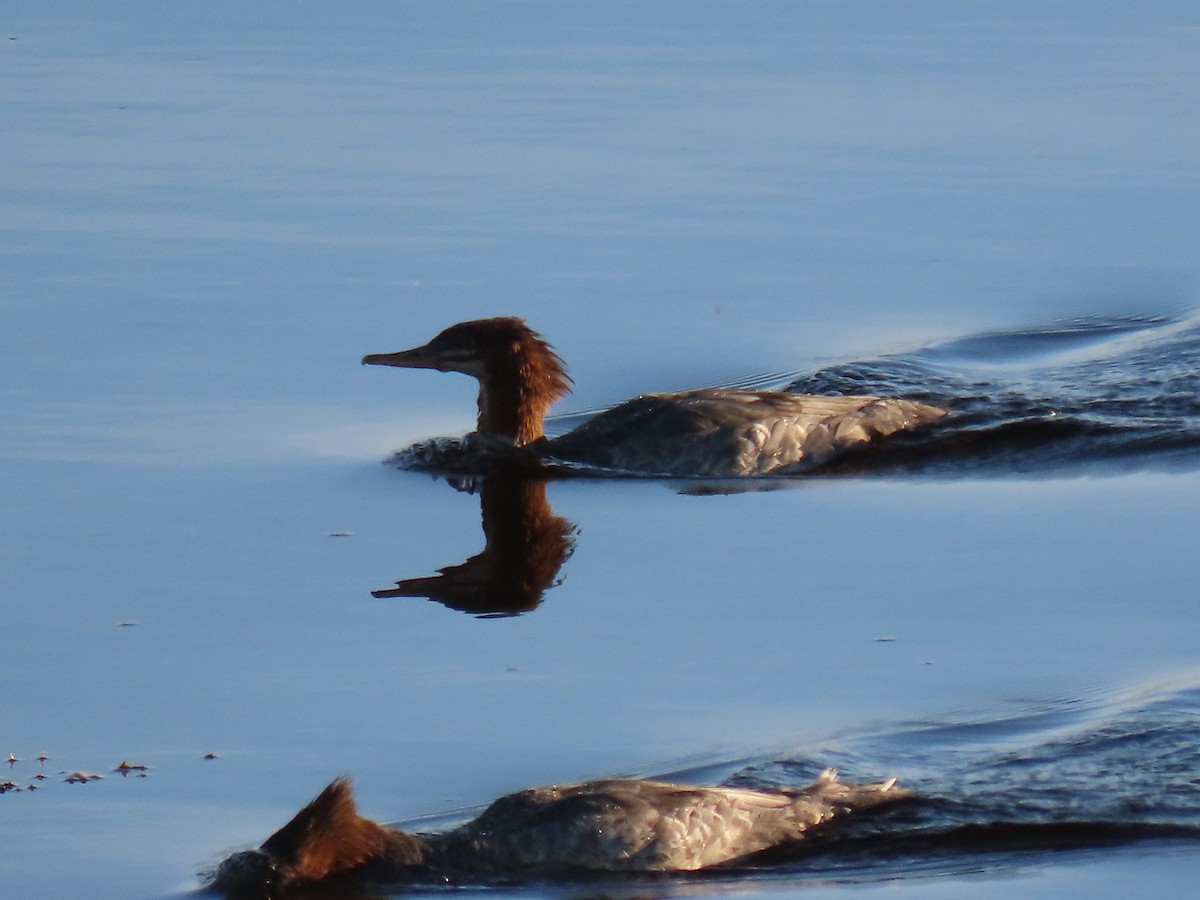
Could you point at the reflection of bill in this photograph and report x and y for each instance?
(525, 546)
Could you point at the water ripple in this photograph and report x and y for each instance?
(1088, 392)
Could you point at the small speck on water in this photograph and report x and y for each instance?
(885, 639)
(210, 756)
(340, 533)
(126, 624)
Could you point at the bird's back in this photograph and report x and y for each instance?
(643, 825)
(724, 432)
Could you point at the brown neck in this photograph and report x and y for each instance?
(519, 385)
(404, 849)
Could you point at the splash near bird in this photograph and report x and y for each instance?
(715, 432)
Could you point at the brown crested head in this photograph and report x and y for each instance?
(326, 838)
(519, 374)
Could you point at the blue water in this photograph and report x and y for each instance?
(208, 217)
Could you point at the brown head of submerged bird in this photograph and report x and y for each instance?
(620, 825)
(714, 432)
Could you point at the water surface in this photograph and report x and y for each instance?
(208, 218)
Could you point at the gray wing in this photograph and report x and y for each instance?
(724, 825)
(718, 433)
(644, 825)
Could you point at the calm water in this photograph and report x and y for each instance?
(209, 217)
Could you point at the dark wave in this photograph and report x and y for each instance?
(1088, 392)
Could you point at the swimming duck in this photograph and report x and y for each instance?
(714, 432)
(597, 826)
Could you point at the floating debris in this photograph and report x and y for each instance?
(82, 777)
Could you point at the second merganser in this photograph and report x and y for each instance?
(621, 825)
(715, 432)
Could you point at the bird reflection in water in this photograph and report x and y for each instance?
(525, 545)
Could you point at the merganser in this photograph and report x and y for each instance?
(714, 432)
(596, 826)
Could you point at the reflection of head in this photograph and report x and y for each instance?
(525, 546)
